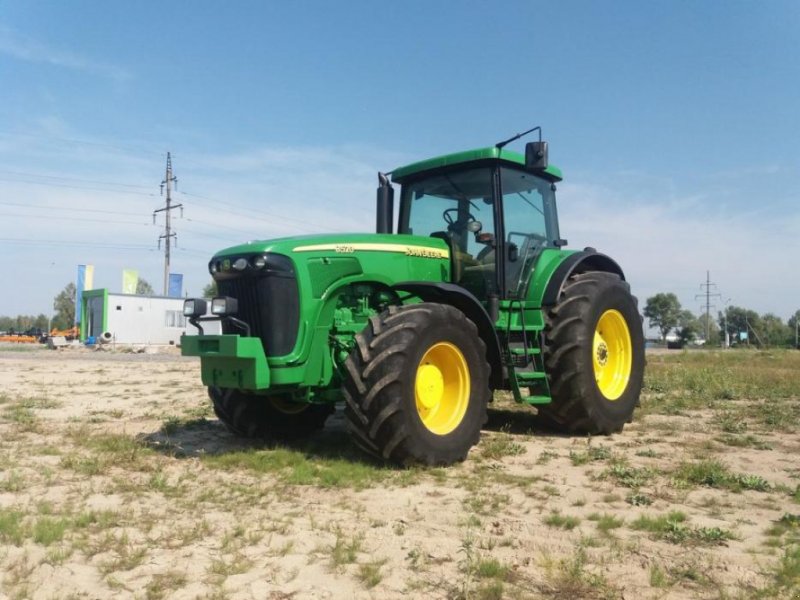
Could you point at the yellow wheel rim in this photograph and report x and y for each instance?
(612, 354)
(441, 388)
(287, 406)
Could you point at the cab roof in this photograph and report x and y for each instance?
(502, 155)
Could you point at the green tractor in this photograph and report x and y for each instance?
(415, 327)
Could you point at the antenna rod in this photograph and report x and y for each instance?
(500, 145)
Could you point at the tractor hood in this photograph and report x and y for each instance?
(384, 258)
(344, 243)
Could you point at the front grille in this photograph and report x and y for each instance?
(270, 304)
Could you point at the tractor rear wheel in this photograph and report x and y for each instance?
(267, 417)
(416, 385)
(594, 355)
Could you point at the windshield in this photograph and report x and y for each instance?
(458, 208)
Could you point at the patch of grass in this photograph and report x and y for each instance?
(605, 522)
(48, 530)
(12, 529)
(345, 549)
(545, 457)
(570, 578)
(713, 473)
(14, 482)
(672, 528)
(632, 477)
(560, 521)
(164, 583)
(591, 454)
(298, 468)
(744, 441)
(499, 446)
(370, 573)
(638, 499)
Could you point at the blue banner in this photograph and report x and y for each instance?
(79, 285)
(175, 285)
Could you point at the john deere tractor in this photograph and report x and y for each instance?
(468, 291)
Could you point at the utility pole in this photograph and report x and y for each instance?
(168, 234)
(708, 295)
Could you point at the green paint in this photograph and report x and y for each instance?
(229, 361)
(457, 158)
(101, 293)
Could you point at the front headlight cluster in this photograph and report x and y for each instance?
(259, 262)
(221, 306)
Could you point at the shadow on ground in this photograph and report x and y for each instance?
(203, 437)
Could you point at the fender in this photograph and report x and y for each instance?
(579, 262)
(458, 297)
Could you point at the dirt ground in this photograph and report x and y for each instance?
(116, 480)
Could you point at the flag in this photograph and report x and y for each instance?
(130, 279)
(175, 285)
(79, 287)
(88, 278)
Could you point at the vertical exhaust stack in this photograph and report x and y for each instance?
(384, 205)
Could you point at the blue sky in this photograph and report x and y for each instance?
(676, 125)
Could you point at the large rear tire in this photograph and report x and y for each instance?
(594, 355)
(267, 417)
(416, 385)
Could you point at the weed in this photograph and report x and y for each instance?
(605, 522)
(47, 530)
(712, 473)
(370, 573)
(638, 499)
(632, 477)
(560, 521)
(164, 583)
(672, 528)
(591, 454)
(500, 445)
(12, 529)
(345, 551)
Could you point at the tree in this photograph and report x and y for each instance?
(143, 288)
(64, 305)
(772, 330)
(740, 320)
(794, 321)
(210, 290)
(711, 327)
(690, 327)
(664, 312)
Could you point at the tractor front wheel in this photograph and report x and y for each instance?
(267, 417)
(416, 385)
(594, 355)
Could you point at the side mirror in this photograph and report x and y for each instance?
(536, 156)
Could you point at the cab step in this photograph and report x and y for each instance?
(536, 399)
(529, 375)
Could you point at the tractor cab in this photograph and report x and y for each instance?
(495, 210)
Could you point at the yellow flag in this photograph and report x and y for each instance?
(88, 278)
(130, 278)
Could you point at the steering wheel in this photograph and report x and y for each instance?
(447, 215)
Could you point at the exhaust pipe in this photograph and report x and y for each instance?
(384, 205)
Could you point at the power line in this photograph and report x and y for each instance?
(71, 209)
(75, 187)
(43, 176)
(49, 242)
(81, 219)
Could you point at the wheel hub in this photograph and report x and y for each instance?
(602, 354)
(430, 385)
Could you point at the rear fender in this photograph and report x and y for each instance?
(579, 262)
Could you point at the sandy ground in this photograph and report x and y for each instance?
(113, 483)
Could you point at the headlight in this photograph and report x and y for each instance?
(224, 306)
(259, 262)
(240, 264)
(194, 307)
(213, 267)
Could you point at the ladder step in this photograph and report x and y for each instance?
(529, 375)
(537, 399)
(522, 351)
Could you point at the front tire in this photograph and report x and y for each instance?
(594, 355)
(267, 417)
(416, 385)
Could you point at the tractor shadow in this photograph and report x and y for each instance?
(520, 421)
(209, 437)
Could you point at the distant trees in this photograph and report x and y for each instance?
(664, 312)
(22, 323)
(64, 305)
(143, 288)
(210, 290)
